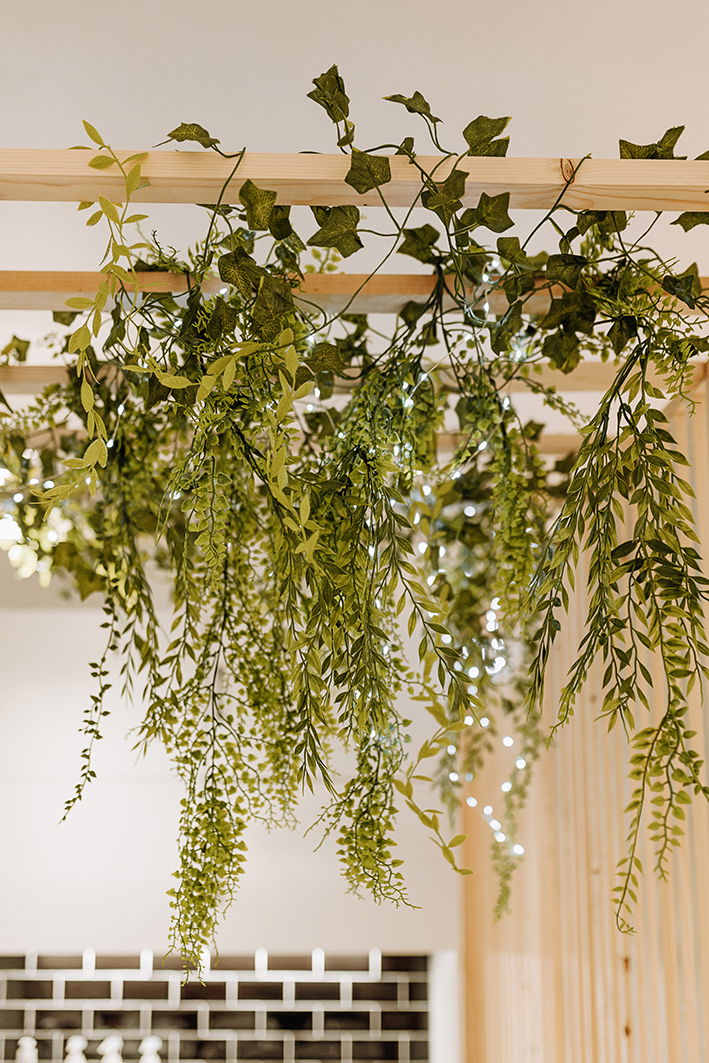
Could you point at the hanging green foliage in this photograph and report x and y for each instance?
(334, 567)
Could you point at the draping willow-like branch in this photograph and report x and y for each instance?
(307, 526)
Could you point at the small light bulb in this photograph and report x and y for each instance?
(495, 824)
(506, 787)
(500, 837)
(470, 511)
(18, 497)
(426, 490)
(453, 776)
(469, 721)
(48, 484)
(451, 750)
(520, 763)
(487, 811)
(471, 802)
(422, 548)
(508, 741)
(518, 850)
(484, 722)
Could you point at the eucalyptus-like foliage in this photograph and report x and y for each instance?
(282, 468)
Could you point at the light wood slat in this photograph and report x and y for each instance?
(587, 377)
(197, 177)
(380, 293)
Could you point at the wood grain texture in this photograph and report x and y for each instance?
(554, 981)
(197, 177)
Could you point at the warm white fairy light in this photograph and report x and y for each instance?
(453, 776)
(18, 497)
(483, 445)
(495, 824)
(474, 672)
(446, 639)
(48, 484)
(520, 763)
(487, 810)
(500, 836)
(426, 489)
(470, 511)
(469, 721)
(508, 741)
(518, 849)
(422, 548)
(484, 721)
(33, 482)
(506, 787)
(452, 750)
(471, 802)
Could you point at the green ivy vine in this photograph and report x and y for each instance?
(281, 467)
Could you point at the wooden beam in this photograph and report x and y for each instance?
(586, 377)
(381, 293)
(361, 293)
(313, 179)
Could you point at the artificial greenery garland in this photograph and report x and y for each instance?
(281, 467)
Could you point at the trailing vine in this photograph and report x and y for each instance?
(330, 561)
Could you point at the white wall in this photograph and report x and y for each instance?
(100, 878)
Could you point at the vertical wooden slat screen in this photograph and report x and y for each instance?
(554, 980)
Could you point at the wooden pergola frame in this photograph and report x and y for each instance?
(318, 180)
(188, 177)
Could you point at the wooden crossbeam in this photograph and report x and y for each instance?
(586, 377)
(380, 293)
(313, 179)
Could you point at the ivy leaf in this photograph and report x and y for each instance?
(419, 243)
(330, 93)
(622, 331)
(563, 350)
(661, 149)
(63, 317)
(193, 131)
(416, 104)
(258, 203)
(566, 269)
(338, 229)
(273, 302)
(445, 198)
(223, 319)
(491, 212)
(16, 348)
(239, 269)
(325, 357)
(509, 248)
(480, 136)
(406, 147)
(367, 171)
(279, 222)
(691, 218)
(574, 311)
(685, 287)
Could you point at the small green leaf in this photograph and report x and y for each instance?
(259, 203)
(481, 134)
(93, 133)
(330, 93)
(338, 229)
(661, 149)
(368, 171)
(194, 132)
(419, 243)
(416, 104)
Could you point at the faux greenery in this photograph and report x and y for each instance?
(281, 468)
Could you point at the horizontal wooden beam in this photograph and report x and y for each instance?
(361, 293)
(586, 377)
(313, 179)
